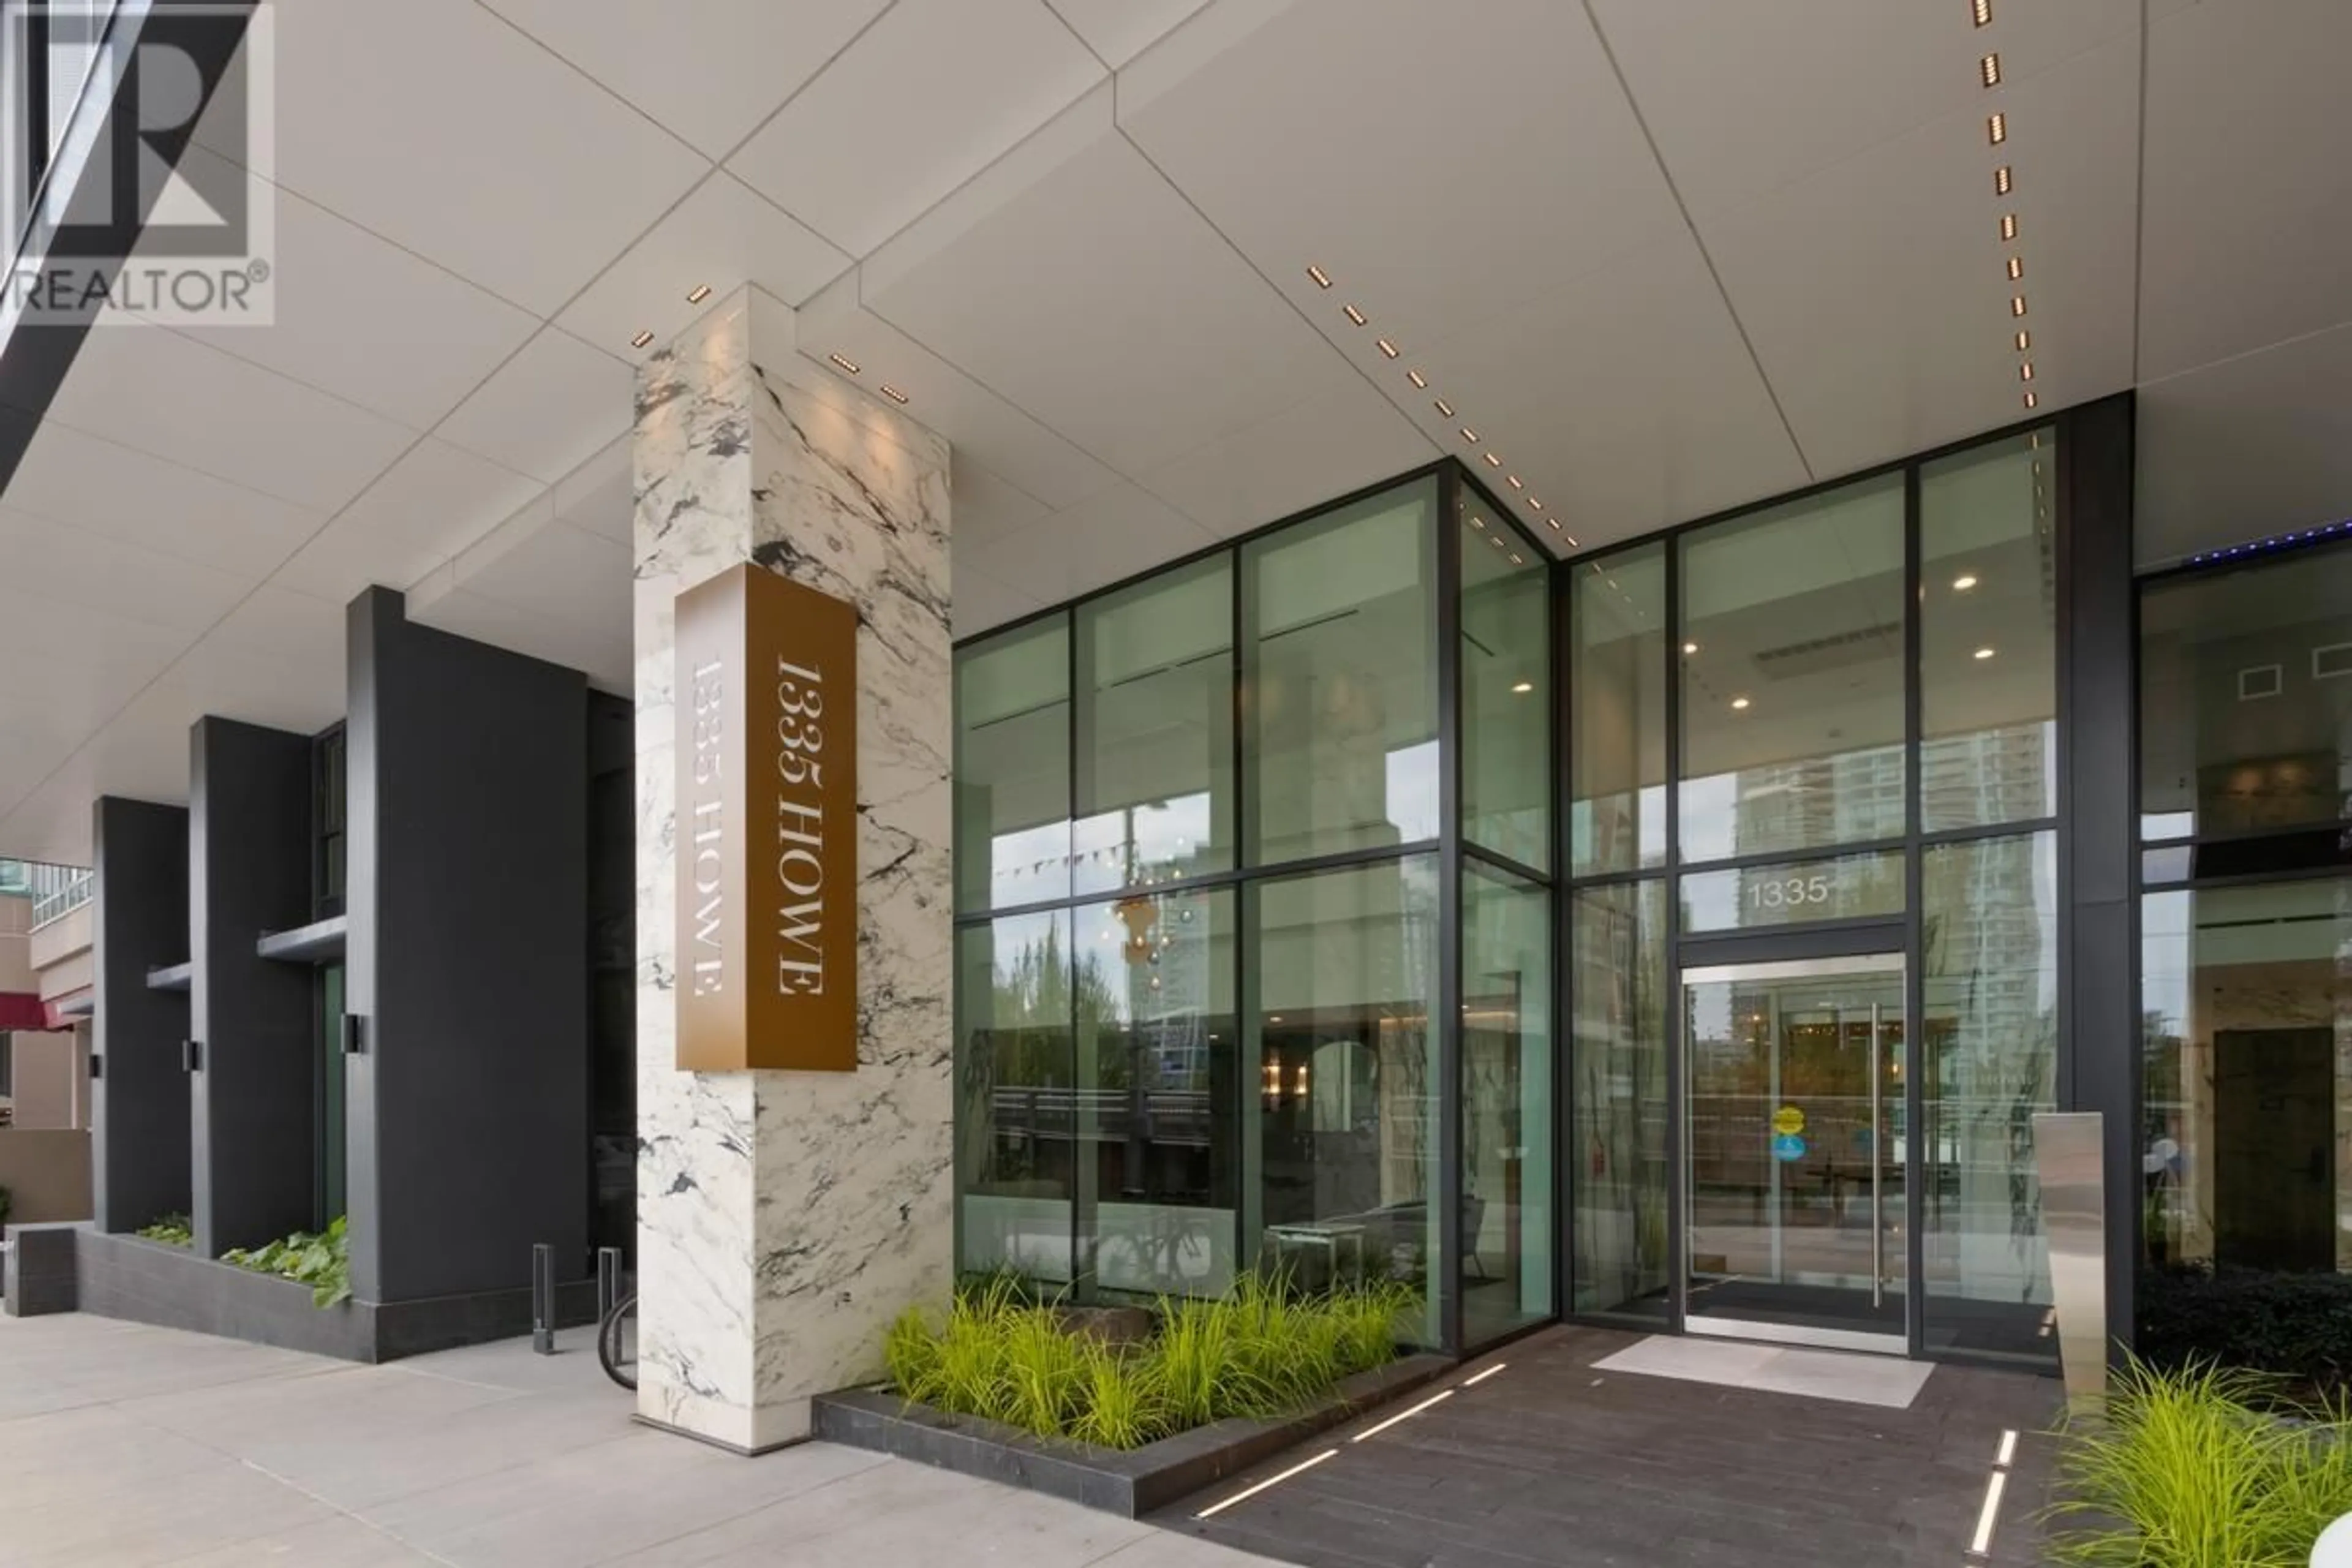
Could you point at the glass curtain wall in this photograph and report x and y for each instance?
(1504, 1081)
(2246, 949)
(1834, 717)
(1207, 837)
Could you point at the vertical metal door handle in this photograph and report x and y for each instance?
(1878, 1173)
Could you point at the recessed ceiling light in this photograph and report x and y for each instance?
(1516, 559)
(1984, 12)
(2031, 401)
(1984, 653)
(1571, 539)
(1991, 66)
(2024, 340)
(641, 340)
(1493, 461)
(846, 365)
(1417, 379)
(1964, 582)
(2016, 267)
(1322, 278)
(1554, 524)
(2017, 305)
(1469, 434)
(1445, 409)
(1690, 647)
(1387, 348)
(1353, 314)
(1496, 540)
(2009, 226)
(1534, 505)
(2025, 370)
(1515, 481)
(1524, 687)
(1477, 522)
(1996, 128)
(1274, 1018)
(893, 394)
(1740, 703)
(701, 292)
(2000, 181)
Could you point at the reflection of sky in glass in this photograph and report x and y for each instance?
(1413, 791)
(1030, 865)
(1137, 845)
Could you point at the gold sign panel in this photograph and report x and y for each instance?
(766, 825)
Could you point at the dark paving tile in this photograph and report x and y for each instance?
(1556, 1463)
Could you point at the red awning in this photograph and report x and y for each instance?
(23, 1010)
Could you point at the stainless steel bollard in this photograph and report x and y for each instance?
(608, 1279)
(543, 1299)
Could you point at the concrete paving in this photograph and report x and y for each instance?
(122, 1445)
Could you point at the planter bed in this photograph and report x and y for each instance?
(1129, 1482)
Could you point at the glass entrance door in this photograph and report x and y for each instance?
(1795, 1151)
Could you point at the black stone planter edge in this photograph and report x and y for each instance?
(1129, 1482)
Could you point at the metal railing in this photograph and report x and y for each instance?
(55, 891)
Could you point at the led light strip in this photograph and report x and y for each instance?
(1357, 317)
(1996, 1484)
(2004, 179)
(1248, 1492)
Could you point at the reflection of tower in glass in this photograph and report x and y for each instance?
(1991, 1035)
(1849, 797)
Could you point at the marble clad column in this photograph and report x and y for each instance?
(785, 1218)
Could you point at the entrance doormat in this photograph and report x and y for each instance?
(1888, 1381)
(1129, 1482)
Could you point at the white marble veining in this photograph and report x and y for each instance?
(783, 1218)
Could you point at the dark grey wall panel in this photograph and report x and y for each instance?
(467, 958)
(253, 1127)
(2100, 1066)
(138, 1096)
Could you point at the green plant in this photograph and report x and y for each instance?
(321, 1260)
(1002, 1354)
(2191, 1468)
(171, 1229)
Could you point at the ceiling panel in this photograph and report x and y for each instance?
(437, 125)
(993, 430)
(711, 70)
(432, 503)
(277, 623)
(723, 236)
(1441, 163)
(110, 490)
(176, 398)
(1626, 407)
(1874, 292)
(547, 410)
(142, 752)
(2247, 190)
(89, 569)
(600, 495)
(1117, 534)
(984, 508)
(2257, 445)
(1093, 296)
(373, 323)
(1334, 442)
(1762, 96)
(981, 602)
(928, 96)
(1118, 30)
(558, 573)
(504, 626)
